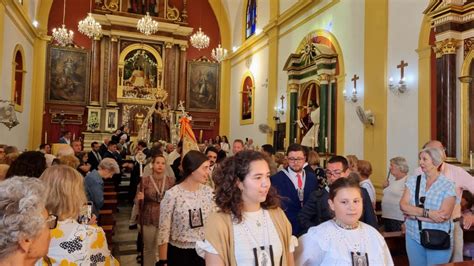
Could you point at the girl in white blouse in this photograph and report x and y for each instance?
(249, 228)
(343, 240)
(184, 211)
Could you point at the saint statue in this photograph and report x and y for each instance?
(311, 137)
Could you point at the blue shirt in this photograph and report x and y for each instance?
(95, 190)
(441, 189)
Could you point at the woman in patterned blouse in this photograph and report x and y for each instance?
(72, 242)
(152, 188)
(184, 211)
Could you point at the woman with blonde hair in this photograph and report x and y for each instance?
(353, 160)
(72, 242)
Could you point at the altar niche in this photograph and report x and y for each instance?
(140, 74)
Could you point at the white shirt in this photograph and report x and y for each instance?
(391, 199)
(367, 184)
(328, 244)
(172, 156)
(294, 179)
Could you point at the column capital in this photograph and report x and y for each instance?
(183, 47)
(324, 78)
(447, 46)
(168, 45)
(293, 88)
(114, 38)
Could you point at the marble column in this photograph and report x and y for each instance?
(113, 72)
(293, 112)
(446, 96)
(182, 73)
(95, 73)
(323, 111)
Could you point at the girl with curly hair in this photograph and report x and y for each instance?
(249, 228)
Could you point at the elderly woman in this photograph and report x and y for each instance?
(94, 182)
(431, 210)
(72, 243)
(25, 223)
(365, 170)
(393, 190)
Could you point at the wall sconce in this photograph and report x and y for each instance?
(401, 86)
(353, 96)
(8, 114)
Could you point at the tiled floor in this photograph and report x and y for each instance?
(125, 249)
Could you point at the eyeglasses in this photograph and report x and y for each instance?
(334, 173)
(52, 221)
(292, 159)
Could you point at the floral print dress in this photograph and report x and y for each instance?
(74, 244)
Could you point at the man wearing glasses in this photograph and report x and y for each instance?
(294, 185)
(316, 210)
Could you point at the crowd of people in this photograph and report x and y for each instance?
(229, 204)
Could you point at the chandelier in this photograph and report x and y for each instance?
(62, 35)
(199, 40)
(147, 25)
(90, 27)
(219, 53)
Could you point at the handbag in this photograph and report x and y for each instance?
(432, 238)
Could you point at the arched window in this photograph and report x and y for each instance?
(251, 24)
(18, 74)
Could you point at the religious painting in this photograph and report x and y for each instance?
(111, 118)
(67, 76)
(202, 93)
(140, 74)
(247, 95)
(18, 77)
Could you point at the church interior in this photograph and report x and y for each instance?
(372, 78)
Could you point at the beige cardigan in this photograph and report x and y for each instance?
(219, 233)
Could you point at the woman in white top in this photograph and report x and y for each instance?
(343, 240)
(183, 214)
(393, 217)
(365, 170)
(225, 146)
(249, 228)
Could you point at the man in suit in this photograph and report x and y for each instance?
(317, 211)
(294, 185)
(66, 138)
(103, 147)
(94, 156)
(113, 153)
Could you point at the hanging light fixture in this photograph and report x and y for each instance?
(62, 35)
(147, 25)
(219, 53)
(89, 26)
(199, 40)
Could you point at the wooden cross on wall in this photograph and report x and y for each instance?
(402, 68)
(354, 79)
(282, 98)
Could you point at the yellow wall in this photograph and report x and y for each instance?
(375, 94)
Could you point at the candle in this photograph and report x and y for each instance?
(74, 136)
(200, 136)
(470, 160)
(326, 143)
(141, 169)
(46, 137)
(312, 142)
(294, 141)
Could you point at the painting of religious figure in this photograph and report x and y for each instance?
(203, 86)
(67, 77)
(140, 75)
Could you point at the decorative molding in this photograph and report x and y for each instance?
(468, 45)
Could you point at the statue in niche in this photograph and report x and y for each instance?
(140, 75)
(137, 122)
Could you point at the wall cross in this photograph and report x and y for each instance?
(402, 66)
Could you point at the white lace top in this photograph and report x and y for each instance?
(329, 244)
(174, 215)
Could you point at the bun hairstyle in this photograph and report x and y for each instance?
(192, 161)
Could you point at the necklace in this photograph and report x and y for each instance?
(355, 243)
(345, 226)
(255, 219)
(263, 258)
